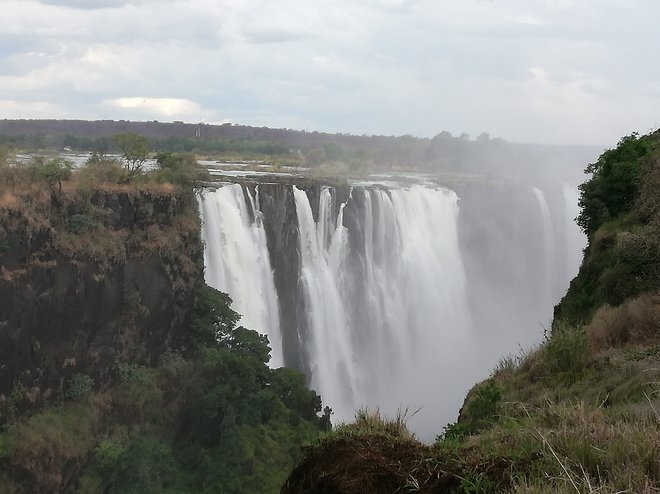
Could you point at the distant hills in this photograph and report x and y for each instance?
(442, 153)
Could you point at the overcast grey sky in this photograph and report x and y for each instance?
(558, 71)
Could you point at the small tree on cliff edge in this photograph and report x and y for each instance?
(53, 171)
(134, 151)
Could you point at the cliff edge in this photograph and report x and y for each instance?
(90, 276)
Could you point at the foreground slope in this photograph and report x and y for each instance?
(581, 413)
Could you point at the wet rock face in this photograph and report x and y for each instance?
(278, 207)
(62, 314)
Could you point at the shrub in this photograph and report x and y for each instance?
(636, 321)
(565, 352)
(107, 454)
(133, 374)
(144, 465)
(8, 200)
(17, 394)
(608, 328)
(79, 223)
(648, 202)
(453, 432)
(106, 171)
(78, 386)
(180, 168)
(482, 408)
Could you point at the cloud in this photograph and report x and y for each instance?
(553, 70)
(86, 4)
(166, 107)
(526, 19)
(32, 109)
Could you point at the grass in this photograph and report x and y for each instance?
(635, 321)
(372, 422)
(50, 442)
(83, 221)
(598, 431)
(562, 418)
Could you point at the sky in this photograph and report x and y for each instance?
(548, 71)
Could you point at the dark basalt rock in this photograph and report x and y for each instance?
(278, 207)
(61, 313)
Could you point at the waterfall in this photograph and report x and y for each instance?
(391, 314)
(323, 253)
(549, 244)
(236, 260)
(385, 296)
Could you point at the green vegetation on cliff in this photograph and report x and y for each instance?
(207, 417)
(579, 414)
(620, 216)
(122, 372)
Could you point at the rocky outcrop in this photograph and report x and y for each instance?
(90, 280)
(277, 205)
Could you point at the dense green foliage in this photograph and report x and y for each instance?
(179, 168)
(239, 423)
(210, 417)
(618, 214)
(614, 184)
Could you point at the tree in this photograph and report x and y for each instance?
(614, 183)
(180, 168)
(211, 318)
(54, 171)
(483, 137)
(290, 387)
(134, 150)
(444, 135)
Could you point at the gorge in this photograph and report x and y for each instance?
(392, 293)
(124, 372)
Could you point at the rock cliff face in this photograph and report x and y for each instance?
(88, 280)
(277, 205)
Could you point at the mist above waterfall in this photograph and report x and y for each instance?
(392, 296)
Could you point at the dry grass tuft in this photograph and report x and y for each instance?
(8, 200)
(636, 321)
(372, 422)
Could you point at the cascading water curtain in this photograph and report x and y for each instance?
(386, 301)
(380, 287)
(236, 260)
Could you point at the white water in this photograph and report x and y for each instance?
(386, 331)
(384, 294)
(236, 261)
(549, 243)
